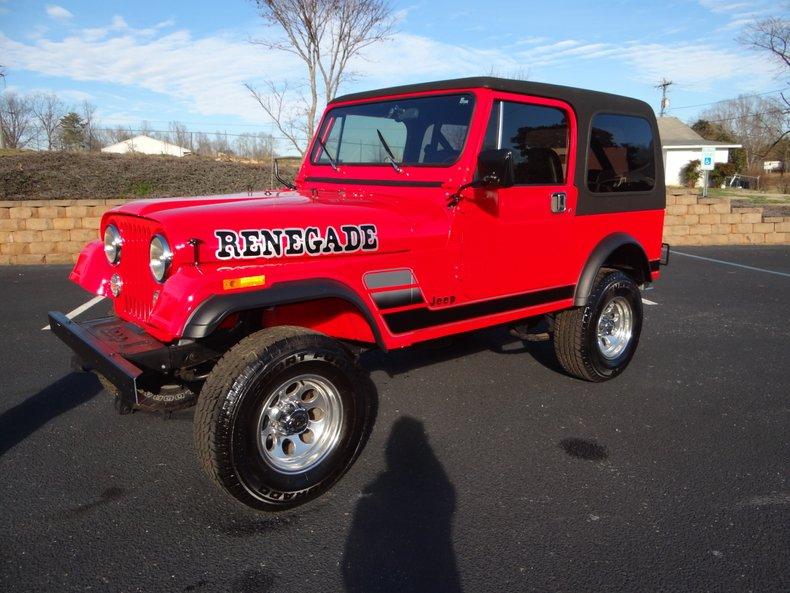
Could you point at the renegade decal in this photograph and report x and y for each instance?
(290, 242)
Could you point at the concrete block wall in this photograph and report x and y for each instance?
(48, 231)
(54, 231)
(694, 220)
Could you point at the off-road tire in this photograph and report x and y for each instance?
(575, 330)
(234, 395)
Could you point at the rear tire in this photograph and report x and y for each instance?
(281, 417)
(596, 342)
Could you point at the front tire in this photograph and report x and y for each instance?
(596, 342)
(281, 417)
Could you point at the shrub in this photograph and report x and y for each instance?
(31, 175)
(720, 172)
(690, 173)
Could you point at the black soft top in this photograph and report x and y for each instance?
(579, 99)
(586, 104)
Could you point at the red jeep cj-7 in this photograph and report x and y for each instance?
(419, 212)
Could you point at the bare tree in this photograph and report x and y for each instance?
(770, 35)
(48, 109)
(325, 35)
(519, 73)
(254, 146)
(88, 110)
(16, 120)
(117, 134)
(2, 136)
(221, 144)
(758, 123)
(180, 135)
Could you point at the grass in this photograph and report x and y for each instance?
(748, 195)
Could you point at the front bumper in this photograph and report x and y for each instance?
(105, 346)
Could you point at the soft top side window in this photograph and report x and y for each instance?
(621, 156)
(537, 135)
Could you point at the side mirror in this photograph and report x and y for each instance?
(495, 168)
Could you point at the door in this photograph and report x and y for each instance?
(518, 239)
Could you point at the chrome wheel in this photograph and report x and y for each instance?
(615, 328)
(300, 423)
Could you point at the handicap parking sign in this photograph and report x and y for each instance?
(708, 158)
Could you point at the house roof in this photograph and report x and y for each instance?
(148, 141)
(674, 132)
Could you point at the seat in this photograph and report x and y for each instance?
(540, 166)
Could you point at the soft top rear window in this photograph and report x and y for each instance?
(621, 156)
(417, 131)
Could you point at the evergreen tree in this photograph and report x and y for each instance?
(72, 132)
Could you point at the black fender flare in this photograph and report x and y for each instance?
(210, 313)
(597, 258)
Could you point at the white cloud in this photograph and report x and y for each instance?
(58, 13)
(739, 13)
(698, 66)
(205, 75)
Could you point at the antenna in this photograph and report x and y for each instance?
(664, 85)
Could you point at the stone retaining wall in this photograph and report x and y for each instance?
(54, 231)
(48, 231)
(693, 220)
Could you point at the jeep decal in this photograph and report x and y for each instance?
(290, 242)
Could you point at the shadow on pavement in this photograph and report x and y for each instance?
(401, 535)
(586, 449)
(24, 419)
(495, 339)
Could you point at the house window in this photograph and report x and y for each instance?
(538, 138)
(621, 156)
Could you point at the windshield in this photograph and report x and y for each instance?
(421, 131)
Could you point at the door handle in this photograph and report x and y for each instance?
(559, 202)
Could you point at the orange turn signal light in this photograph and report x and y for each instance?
(245, 282)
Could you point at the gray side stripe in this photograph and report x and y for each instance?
(390, 278)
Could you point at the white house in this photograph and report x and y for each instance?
(146, 145)
(680, 145)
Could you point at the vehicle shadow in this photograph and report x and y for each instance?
(496, 339)
(401, 534)
(19, 422)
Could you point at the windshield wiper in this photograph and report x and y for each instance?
(390, 155)
(332, 160)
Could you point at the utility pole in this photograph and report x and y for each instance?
(664, 85)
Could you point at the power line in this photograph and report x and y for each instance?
(723, 100)
(715, 121)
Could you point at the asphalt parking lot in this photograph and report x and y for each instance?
(487, 469)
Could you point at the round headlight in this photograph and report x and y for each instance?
(112, 244)
(160, 257)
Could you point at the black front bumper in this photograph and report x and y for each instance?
(105, 346)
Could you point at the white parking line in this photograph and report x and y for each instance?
(729, 263)
(649, 302)
(82, 308)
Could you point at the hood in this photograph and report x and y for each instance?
(303, 222)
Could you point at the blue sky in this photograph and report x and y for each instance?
(187, 61)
